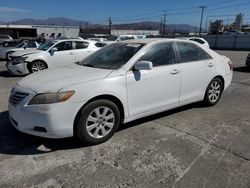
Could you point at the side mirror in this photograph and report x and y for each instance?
(53, 50)
(143, 65)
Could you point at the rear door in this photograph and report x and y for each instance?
(197, 69)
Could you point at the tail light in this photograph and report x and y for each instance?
(230, 64)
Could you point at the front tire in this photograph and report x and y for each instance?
(37, 66)
(213, 92)
(8, 58)
(98, 121)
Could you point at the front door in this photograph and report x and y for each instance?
(158, 88)
(63, 56)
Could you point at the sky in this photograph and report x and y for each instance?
(126, 11)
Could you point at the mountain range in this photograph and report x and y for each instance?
(146, 25)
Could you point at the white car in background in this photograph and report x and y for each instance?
(121, 82)
(55, 53)
(5, 53)
(200, 40)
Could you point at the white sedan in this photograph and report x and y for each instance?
(121, 82)
(53, 54)
(6, 52)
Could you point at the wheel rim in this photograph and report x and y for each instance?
(38, 66)
(100, 122)
(8, 56)
(214, 91)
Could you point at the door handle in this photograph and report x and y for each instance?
(210, 65)
(71, 53)
(175, 71)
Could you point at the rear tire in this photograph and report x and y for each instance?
(36, 66)
(213, 92)
(98, 121)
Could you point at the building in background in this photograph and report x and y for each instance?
(238, 22)
(216, 27)
(44, 31)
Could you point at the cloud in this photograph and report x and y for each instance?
(4, 10)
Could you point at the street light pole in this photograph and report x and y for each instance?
(202, 11)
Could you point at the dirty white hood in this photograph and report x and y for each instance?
(25, 52)
(52, 80)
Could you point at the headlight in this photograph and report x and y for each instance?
(49, 98)
(19, 60)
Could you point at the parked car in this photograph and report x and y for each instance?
(124, 37)
(202, 41)
(10, 43)
(233, 32)
(4, 38)
(97, 39)
(5, 53)
(53, 54)
(121, 82)
(248, 60)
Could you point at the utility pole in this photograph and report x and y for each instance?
(110, 25)
(202, 11)
(160, 30)
(164, 22)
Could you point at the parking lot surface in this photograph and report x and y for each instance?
(192, 146)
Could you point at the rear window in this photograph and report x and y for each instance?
(191, 52)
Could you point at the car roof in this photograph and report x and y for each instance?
(154, 40)
(80, 40)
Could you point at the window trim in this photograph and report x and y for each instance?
(178, 54)
(146, 50)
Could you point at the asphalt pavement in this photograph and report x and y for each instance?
(192, 146)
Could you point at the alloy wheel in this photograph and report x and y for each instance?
(214, 91)
(100, 122)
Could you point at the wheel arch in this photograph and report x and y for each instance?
(104, 96)
(222, 80)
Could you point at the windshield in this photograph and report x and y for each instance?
(112, 56)
(21, 44)
(46, 46)
(112, 38)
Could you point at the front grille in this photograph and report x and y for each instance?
(17, 97)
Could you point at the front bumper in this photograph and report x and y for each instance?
(48, 120)
(19, 69)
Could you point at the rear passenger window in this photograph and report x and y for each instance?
(190, 52)
(160, 54)
(62, 46)
(81, 45)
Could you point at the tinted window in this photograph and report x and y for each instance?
(64, 46)
(190, 52)
(161, 54)
(81, 45)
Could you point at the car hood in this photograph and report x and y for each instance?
(53, 80)
(25, 52)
